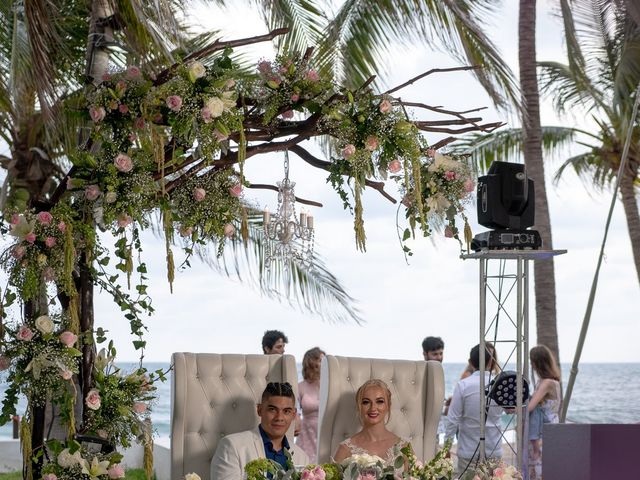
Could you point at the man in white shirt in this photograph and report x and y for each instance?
(464, 417)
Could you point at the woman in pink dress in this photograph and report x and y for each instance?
(309, 396)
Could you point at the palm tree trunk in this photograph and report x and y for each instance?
(629, 202)
(544, 274)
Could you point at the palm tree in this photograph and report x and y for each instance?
(602, 79)
(543, 270)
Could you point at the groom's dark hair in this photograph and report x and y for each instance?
(277, 389)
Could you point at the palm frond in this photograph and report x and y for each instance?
(305, 18)
(506, 145)
(569, 88)
(589, 168)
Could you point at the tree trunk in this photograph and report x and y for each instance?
(544, 275)
(630, 204)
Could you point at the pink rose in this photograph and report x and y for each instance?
(264, 66)
(312, 75)
(68, 338)
(121, 85)
(49, 476)
(229, 230)
(431, 152)
(116, 471)
(448, 232)
(24, 333)
(371, 143)
(348, 150)
(30, 237)
(199, 194)
(123, 108)
(385, 106)
(102, 433)
(206, 114)
(138, 123)
(450, 175)
(133, 73)
(174, 102)
(236, 190)
(498, 472)
(469, 185)
(49, 274)
(295, 97)
(132, 137)
(92, 192)
(395, 166)
(44, 218)
(18, 252)
(123, 163)
(287, 114)
(124, 220)
(66, 374)
(139, 407)
(97, 114)
(186, 231)
(50, 242)
(62, 227)
(106, 77)
(319, 473)
(15, 219)
(5, 362)
(93, 399)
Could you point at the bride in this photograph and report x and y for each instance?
(373, 401)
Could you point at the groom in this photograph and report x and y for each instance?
(277, 409)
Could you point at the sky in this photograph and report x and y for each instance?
(436, 293)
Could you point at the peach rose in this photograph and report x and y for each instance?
(174, 102)
(236, 190)
(97, 114)
(123, 163)
(93, 399)
(371, 143)
(116, 471)
(44, 218)
(92, 192)
(229, 230)
(139, 407)
(50, 242)
(199, 194)
(348, 150)
(395, 166)
(68, 338)
(385, 106)
(24, 333)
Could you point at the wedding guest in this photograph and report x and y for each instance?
(277, 409)
(273, 342)
(468, 370)
(544, 405)
(464, 416)
(309, 398)
(373, 401)
(433, 349)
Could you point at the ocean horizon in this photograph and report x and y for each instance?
(601, 394)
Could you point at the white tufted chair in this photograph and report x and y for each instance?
(213, 395)
(417, 393)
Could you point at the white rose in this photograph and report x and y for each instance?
(196, 70)
(215, 106)
(66, 460)
(192, 476)
(44, 324)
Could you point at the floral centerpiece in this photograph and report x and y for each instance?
(495, 469)
(359, 467)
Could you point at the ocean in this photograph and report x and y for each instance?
(603, 393)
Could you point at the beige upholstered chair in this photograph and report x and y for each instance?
(213, 395)
(417, 393)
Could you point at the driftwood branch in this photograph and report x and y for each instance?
(265, 186)
(487, 127)
(323, 164)
(217, 46)
(429, 72)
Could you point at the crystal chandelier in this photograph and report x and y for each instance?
(288, 237)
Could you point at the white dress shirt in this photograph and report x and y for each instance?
(464, 416)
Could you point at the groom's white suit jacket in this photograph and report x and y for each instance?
(237, 449)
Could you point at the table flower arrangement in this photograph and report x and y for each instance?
(495, 469)
(360, 467)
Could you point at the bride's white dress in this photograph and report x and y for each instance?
(389, 456)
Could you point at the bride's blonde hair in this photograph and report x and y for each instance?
(374, 382)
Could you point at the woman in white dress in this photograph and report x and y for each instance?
(544, 404)
(373, 400)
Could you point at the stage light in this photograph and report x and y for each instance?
(506, 198)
